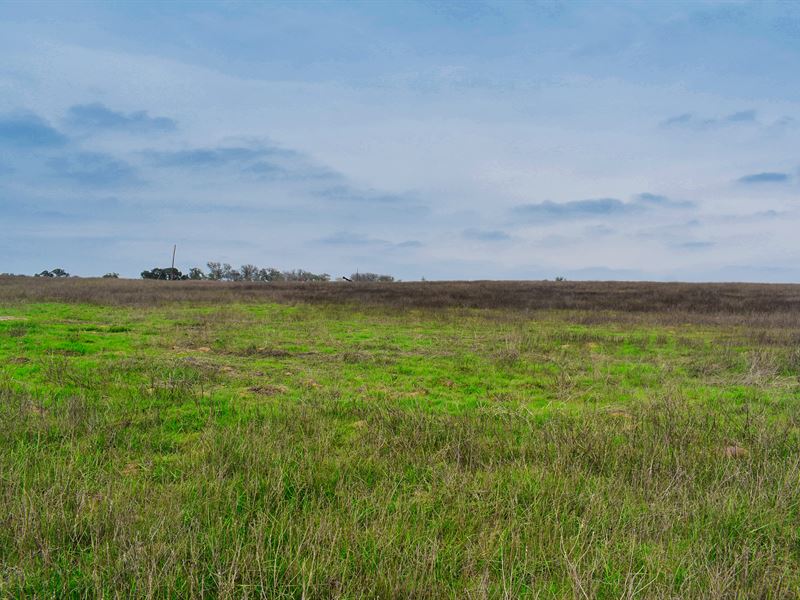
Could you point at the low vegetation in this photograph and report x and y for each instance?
(310, 440)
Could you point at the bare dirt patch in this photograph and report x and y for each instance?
(268, 390)
(735, 452)
(266, 352)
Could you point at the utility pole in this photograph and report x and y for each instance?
(172, 270)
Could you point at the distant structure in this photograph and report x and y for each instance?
(347, 279)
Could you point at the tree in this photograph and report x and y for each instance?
(197, 273)
(270, 274)
(249, 272)
(45, 274)
(166, 274)
(229, 273)
(214, 270)
(111, 276)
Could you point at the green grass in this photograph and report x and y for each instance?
(267, 450)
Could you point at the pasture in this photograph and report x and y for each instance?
(484, 440)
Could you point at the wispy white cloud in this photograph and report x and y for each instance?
(741, 118)
(597, 208)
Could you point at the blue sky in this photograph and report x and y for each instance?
(446, 140)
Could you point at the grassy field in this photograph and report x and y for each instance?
(159, 444)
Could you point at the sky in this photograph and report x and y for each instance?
(444, 140)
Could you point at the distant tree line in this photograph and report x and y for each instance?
(216, 271)
(370, 277)
(224, 272)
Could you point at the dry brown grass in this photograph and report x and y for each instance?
(756, 301)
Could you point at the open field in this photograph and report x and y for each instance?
(712, 300)
(426, 440)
